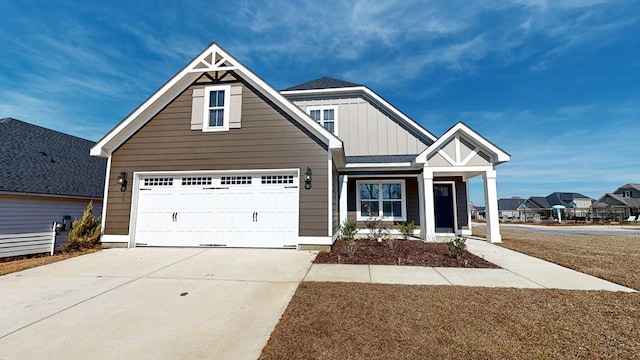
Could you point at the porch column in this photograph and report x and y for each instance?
(429, 206)
(491, 206)
(470, 231)
(423, 226)
(343, 198)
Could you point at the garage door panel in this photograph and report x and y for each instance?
(242, 211)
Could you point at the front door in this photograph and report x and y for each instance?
(443, 203)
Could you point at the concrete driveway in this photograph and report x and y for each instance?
(149, 303)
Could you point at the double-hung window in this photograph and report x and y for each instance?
(626, 194)
(216, 108)
(326, 116)
(382, 199)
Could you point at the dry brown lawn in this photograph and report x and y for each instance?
(371, 321)
(8, 266)
(613, 258)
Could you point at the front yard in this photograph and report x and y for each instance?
(613, 258)
(371, 321)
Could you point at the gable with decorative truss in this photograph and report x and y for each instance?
(215, 64)
(460, 152)
(212, 60)
(462, 146)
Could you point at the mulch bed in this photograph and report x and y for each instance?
(399, 252)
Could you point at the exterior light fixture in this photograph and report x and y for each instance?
(122, 180)
(307, 178)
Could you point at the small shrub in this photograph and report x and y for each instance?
(85, 232)
(457, 247)
(378, 230)
(348, 230)
(350, 247)
(407, 229)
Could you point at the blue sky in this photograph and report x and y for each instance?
(554, 83)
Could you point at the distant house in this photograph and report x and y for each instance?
(619, 205)
(45, 176)
(539, 208)
(508, 208)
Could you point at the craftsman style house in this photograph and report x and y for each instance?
(217, 157)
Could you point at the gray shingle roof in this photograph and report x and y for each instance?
(564, 198)
(538, 202)
(510, 204)
(322, 83)
(37, 160)
(376, 159)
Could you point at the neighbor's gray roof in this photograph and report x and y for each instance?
(565, 198)
(539, 202)
(510, 204)
(37, 160)
(322, 83)
(377, 159)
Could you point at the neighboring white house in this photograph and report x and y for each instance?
(45, 177)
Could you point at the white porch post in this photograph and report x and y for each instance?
(429, 206)
(491, 206)
(423, 226)
(469, 224)
(343, 198)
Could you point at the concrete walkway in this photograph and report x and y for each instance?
(518, 270)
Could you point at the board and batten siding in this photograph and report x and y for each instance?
(365, 129)
(267, 139)
(35, 214)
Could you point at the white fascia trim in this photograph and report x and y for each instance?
(379, 165)
(383, 176)
(315, 240)
(114, 238)
(192, 71)
(459, 169)
(370, 94)
(499, 155)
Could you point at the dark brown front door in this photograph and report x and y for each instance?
(443, 203)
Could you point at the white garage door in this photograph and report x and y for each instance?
(248, 210)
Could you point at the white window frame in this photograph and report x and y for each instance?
(626, 194)
(226, 107)
(403, 206)
(322, 108)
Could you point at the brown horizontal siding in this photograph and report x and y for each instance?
(266, 140)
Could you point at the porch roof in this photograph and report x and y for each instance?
(380, 159)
